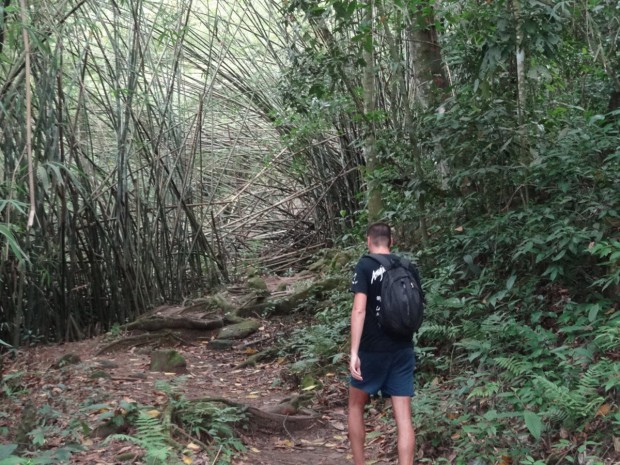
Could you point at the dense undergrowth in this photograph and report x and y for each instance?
(519, 355)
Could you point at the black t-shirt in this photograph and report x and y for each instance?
(367, 280)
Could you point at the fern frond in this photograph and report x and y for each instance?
(512, 365)
(437, 331)
(151, 436)
(488, 390)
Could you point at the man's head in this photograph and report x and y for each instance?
(379, 236)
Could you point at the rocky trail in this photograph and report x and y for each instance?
(75, 393)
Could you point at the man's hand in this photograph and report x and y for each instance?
(355, 367)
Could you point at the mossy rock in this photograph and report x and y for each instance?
(319, 265)
(97, 374)
(217, 302)
(318, 291)
(257, 283)
(67, 359)
(221, 344)
(168, 361)
(341, 260)
(239, 330)
(252, 272)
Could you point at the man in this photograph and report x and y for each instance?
(379, 361)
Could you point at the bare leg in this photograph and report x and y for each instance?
(401, 407)
(357, 432)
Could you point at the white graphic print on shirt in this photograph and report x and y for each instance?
(378, 273)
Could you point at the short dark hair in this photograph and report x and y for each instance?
(380, 234)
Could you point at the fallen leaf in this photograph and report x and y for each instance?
(250, 351)
(255, 450)
(153, 413)
(193, 446)
(603, 410)
(338, 425)
(187, 460)
(284, 444)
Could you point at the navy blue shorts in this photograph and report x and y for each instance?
(388, 372)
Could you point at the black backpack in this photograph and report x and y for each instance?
(402, 300)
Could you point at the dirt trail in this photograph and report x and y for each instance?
(67, 392)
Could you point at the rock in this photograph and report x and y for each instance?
(169, 361)
(217, 302)
(221, 344)
(67, 359)
(341, 259)
(317, 266)
(107, 364)
(239, 330)
(99, 374)
(318, 291)
(252, 272)
(27, 423)
(257, 283)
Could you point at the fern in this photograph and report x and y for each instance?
(485, 391)
(514, 366)
(608, 338)
(432, 331)
(151, 436)
(581, 401)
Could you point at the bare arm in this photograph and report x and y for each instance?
(358, 314)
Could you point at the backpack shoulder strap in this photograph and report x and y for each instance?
(381, 260)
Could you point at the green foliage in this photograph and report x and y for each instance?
(49, 457)
(320, 344)
(213, 422)
(151, 435)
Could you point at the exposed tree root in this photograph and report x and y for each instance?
(260, 356)
(286, 417)
(141, 340)
(155, 323)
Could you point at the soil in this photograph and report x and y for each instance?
(63, 398)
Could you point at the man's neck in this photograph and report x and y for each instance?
(379, 250)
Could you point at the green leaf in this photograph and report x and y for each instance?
(13, 245)
(12, 461)
(593, 313)
(534, 423)
(511, 282)
(6, 450)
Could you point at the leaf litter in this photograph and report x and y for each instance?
(70, 403)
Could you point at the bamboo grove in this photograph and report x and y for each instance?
(140, 162)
